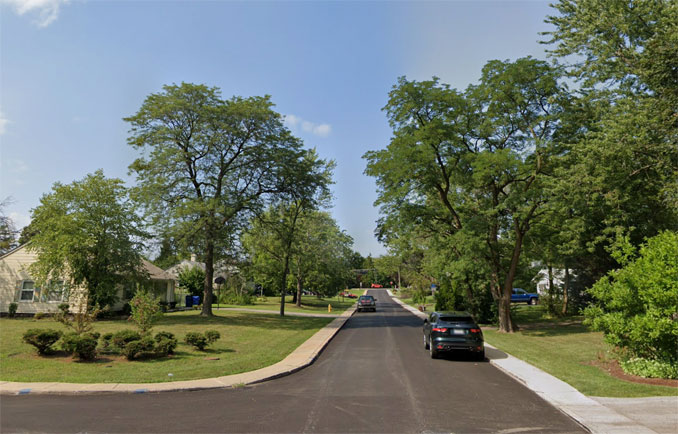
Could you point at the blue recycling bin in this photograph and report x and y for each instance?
(189, 301)
(196, 300)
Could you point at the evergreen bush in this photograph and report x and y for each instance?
(139, 348)
(42, 339)
(123, 337)
(201, 341)
(83, 346)
(165, 343)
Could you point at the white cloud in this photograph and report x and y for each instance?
(47, 10)
(19, 220)
(3, 123)
(294, 122)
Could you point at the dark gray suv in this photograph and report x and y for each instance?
(367, 302)
(450, 331)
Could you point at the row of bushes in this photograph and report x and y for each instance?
(129, 343)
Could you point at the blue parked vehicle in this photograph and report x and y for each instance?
(519, 295)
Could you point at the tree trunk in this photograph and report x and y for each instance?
(506, 323)
(566, 290)
(283, 285)
(469, 292)
(298, 291)
(550, 270)
(209, 274)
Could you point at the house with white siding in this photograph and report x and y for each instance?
(18, 286)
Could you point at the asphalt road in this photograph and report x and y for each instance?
(374, 377)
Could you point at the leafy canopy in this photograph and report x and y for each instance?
(637, 306)
(88, 234)
(207, 164)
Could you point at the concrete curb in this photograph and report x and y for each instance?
(300, 358)
(594, 416)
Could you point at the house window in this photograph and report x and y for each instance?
(27, 290)
(55, 291)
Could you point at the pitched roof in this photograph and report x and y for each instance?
(156, 272)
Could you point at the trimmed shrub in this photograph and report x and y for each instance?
(106, 343)
(201, 341)
(164, 347)
(212, 336)
(161, 335)
(63, 308)
(196, 339)
(11, 310)
(139, 348)
(42, 339)
(165, 343)
(82, 346)
(41, 315)
(123, 337)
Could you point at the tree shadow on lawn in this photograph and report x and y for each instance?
(558, 329)
(244, 319)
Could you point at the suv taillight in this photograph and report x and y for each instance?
(439, 329)
(475, 330)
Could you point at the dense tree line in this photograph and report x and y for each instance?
(520, 167)
(209, 170)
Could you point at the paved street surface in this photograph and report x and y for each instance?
(375, 376)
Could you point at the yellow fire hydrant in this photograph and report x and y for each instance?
(329, 308)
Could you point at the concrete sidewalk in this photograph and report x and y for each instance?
(303, 356)
(599, 415)
(275, 312)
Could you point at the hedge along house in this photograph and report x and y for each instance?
(18, 286)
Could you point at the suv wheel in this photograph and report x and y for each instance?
(533, 301)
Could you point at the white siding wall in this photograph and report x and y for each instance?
(13, 272)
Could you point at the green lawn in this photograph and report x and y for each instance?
(309, 304)
(430, 303)
(248, 342)
(569, 351)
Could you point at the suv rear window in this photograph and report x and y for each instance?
(366, 297)
(463, 319)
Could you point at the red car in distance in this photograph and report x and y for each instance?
(376, 285)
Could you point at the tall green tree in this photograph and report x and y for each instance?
(309, 191)
(88, 232)
(192, 279)
(322, 255)
(207, 164)
(319, 257)
(621, 175)
(469, 168)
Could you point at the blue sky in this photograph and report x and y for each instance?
(71, 70)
